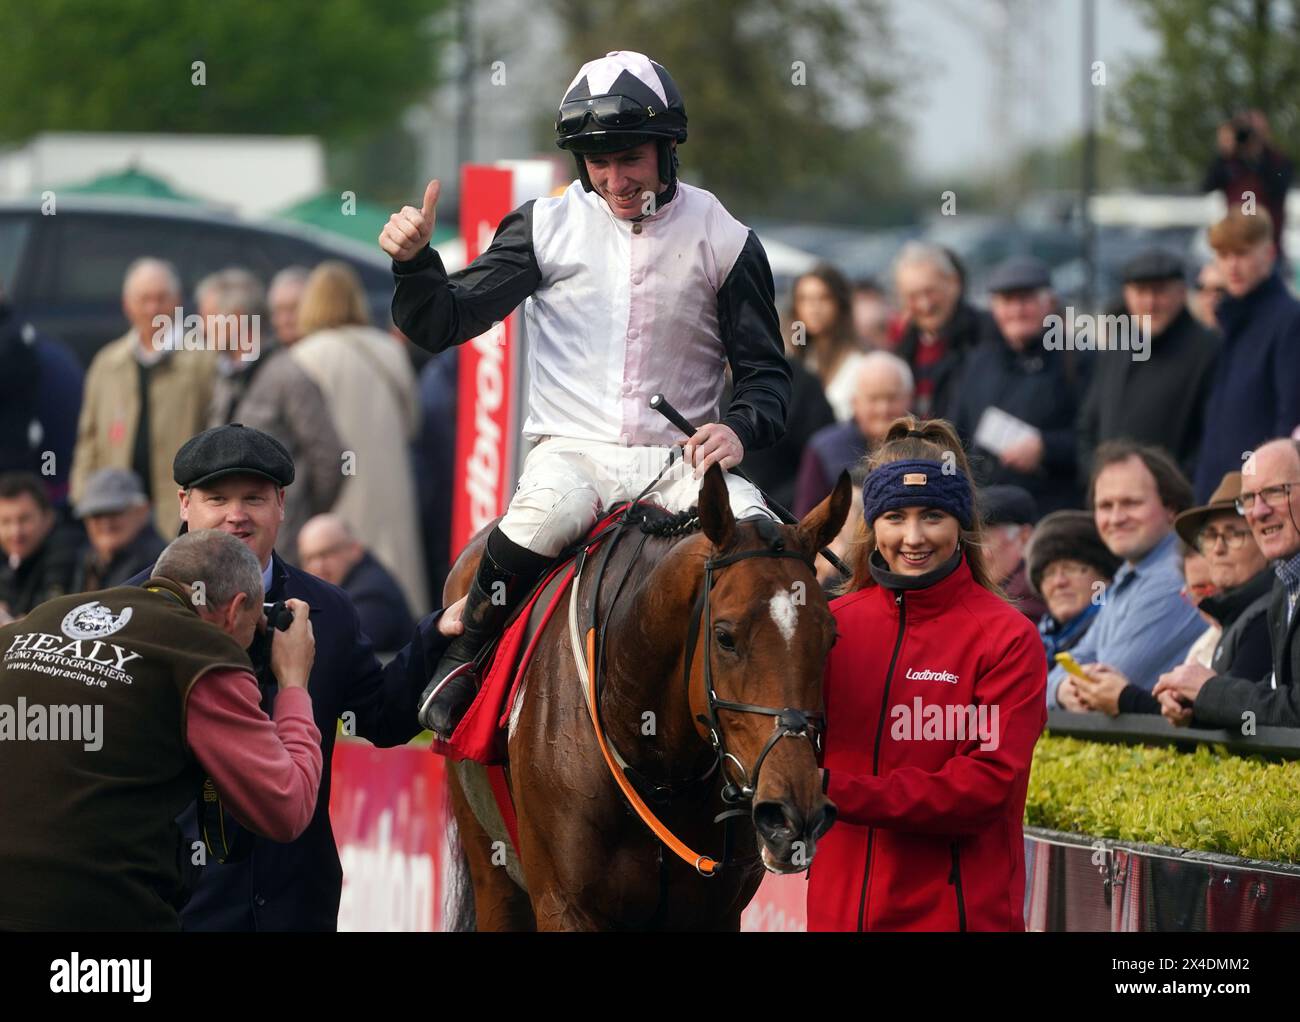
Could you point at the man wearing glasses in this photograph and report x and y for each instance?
(1270, 505)
(634, 283)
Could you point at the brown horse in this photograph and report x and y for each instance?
(587, 861)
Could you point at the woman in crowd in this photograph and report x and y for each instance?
(370, 388)
(935, 697)
(1069, 568)
(823, 336)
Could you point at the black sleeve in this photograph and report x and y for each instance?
(385, 698)
(437, 311)
(1089, 425)
(751, 333)
(1222, 701)
(1138, 700)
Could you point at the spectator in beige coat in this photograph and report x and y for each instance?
(370, 388)
(145, 394)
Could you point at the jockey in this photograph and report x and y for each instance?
(633, 283)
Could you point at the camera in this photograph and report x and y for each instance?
(278, 616)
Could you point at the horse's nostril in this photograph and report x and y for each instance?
(773, 821)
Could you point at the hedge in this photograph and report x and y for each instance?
(1205, 800)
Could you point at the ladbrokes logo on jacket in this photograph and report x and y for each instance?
(925, 674)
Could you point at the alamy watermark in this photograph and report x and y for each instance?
(1086, 332)
(218, 332)
(939, 722)
(36, 722)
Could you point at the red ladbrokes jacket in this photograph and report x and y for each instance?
(935, 699)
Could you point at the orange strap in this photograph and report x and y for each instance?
(702, 863)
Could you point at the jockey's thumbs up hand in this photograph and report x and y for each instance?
(409, 229)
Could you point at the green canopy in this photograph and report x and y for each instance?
(129, 182)
(362, 224)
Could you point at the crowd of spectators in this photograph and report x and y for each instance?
(1136, 475)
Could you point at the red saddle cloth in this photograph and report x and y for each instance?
(481, 734)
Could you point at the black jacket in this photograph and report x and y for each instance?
(1158, 401)
(436, 310)
(1243, 649)
(297, 886)
(50, 571)
(1275, 701)
(775, 469)
(1038, 386)
(962, 334)
(385, 618)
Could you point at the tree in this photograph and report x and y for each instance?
(790, 101)
(1216, 57)
(334, 68)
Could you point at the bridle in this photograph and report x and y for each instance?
(589, 656)
(790, 722)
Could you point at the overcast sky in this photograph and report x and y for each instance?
(983, 86)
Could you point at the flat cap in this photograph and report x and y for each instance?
(1153, 264)
(111, 490)
(1019, 273)
(1007, 505)
(235, 449)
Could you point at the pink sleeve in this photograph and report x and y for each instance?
(267, 772)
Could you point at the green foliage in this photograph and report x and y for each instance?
(826, 147)
(333, 68)
(1216, 57)
(1208, 800)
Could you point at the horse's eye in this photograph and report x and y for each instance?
(724, 639)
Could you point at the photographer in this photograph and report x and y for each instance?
(1248, 162)
(233, 479)
(114, 706)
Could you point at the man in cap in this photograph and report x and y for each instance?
(634, 283)
(1158, 399)
(233, 478)
(1270, 504)
(1009, 513)
(1016, 401)
(1255, 393)
(119, 523)
(139, 693)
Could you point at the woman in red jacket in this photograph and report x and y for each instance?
(934, 702)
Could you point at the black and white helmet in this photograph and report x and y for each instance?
(619, 101)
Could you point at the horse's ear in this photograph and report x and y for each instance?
(824, 522)
(718, 522)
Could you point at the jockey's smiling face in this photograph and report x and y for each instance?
(627, 180)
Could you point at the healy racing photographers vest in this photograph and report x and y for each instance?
(93, 753)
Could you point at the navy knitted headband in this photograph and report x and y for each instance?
(918, 482)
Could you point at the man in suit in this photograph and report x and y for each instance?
(1270, 502)
(328, 549)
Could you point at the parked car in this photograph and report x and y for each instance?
(64, 271)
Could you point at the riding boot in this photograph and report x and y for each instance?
(505, 574)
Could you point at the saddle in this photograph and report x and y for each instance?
(483, 732)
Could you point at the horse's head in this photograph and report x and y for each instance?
(763, 640)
